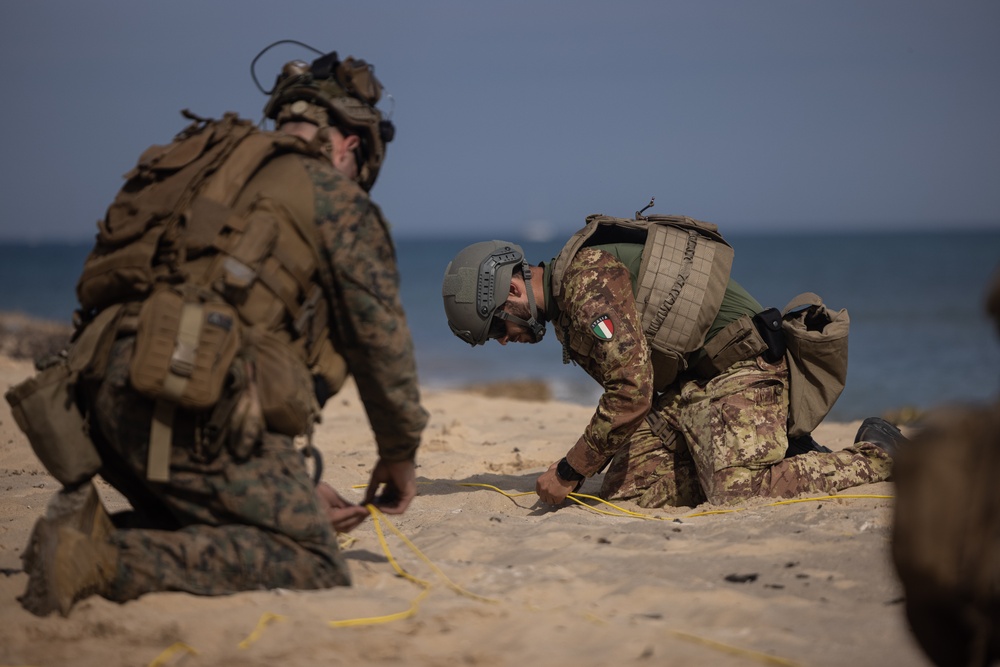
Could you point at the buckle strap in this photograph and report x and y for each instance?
(657, 424)
(160, 438)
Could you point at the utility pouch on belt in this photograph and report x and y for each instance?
(184, 349)
(45, 408)
(287, 398)
(737, 341)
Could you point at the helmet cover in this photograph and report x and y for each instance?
(343, 94)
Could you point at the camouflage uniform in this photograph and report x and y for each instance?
(230, 520)
(721, 440)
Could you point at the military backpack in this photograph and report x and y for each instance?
(211, 293)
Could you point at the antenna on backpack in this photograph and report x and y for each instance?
(638, 214)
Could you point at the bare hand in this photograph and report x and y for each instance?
(551, 488)
(400, 480)
(344, 515)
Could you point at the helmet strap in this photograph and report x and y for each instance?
(534, 325)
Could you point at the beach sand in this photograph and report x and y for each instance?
(805, 583)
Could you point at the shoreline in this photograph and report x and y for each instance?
(29, 338)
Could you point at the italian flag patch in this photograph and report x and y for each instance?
(603, 327)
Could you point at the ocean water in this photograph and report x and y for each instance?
(919, 333)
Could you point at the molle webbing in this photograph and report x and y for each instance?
(137, 232)
(681, 283)
(176, 240)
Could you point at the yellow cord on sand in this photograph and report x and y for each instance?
(726, 648)
(162, 659)
(266, 619)
(621, 511)
(377, 515)
(493, 488)
(377, 518)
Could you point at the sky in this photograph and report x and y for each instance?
(762, 115)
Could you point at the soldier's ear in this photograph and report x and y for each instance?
(516, 286)
(352, 142)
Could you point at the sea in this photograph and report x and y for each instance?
(919, 338)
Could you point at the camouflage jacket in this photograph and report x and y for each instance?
(369, 325)
(597, 323)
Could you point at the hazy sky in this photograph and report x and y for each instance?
(755, 114)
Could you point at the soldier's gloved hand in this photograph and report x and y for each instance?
(344, 515)
(400, 480)
(551, 488)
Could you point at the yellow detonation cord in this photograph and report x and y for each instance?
(378, 518)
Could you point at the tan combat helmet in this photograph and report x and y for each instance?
(475, 288)
(342, 93)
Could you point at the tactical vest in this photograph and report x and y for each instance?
(204, 282)
(679, 290)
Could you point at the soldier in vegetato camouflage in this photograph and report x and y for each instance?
(675, 426)
(304, 258)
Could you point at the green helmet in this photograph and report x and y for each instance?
(475, 288)
(343, 94)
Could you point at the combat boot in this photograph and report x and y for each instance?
(69, 555)
(882, 434)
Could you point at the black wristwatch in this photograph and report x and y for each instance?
(566, 473)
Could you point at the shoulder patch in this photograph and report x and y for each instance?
(603, 327)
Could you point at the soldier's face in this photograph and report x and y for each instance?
(516, 333)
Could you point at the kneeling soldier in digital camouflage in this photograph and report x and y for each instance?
(238, 279)
(695, 403)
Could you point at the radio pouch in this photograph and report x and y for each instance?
(184, 348)
(768, 324)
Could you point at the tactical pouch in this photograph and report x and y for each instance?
(116, 274)
(816, 337)
(184, 348)
(328, 368)
(737, 341)
(45, 408)
(768, 323)
(287, 399)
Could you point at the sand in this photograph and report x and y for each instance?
(805, 583)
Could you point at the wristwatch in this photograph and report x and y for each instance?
(566, 473)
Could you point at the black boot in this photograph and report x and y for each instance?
(882, 434)
(804, 444)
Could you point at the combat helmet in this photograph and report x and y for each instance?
(475, 288)
(343, 93)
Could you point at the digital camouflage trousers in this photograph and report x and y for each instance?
(224, 522)
(725, 441)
